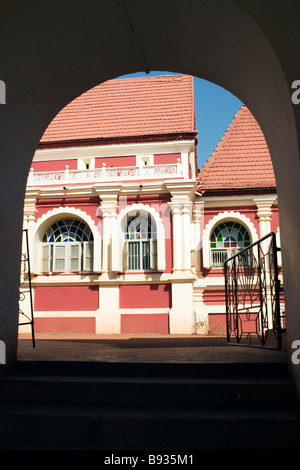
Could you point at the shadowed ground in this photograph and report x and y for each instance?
(142, 348)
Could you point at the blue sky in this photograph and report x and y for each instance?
(215, 109)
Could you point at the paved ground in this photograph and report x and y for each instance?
(126, 348)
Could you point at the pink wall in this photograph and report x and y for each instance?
(217, 323)
(148, 323)
(161, 159)
(81, 325)
(88, 205)
(66, 298)
(54, 165)
(116, 161)
(215, 297)
(145, 296)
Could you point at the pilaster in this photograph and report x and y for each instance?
(29, 215)
(108, 209)
(181, 207)
(198, 221)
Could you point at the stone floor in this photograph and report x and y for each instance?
(142, 348)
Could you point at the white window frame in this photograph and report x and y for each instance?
(88, 246)
(46, 258)
(52, 257)
(139, 242)
(119, 246)
(56, 258)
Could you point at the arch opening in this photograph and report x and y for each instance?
(268, 99)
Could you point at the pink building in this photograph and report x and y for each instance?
(125, 234)
(239, 200)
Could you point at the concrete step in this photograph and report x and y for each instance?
(148, 406)
(91, 427)
(148, 369)
(165, 392)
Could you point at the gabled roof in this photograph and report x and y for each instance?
(241, 161)
(127, 108)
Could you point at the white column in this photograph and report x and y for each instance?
(264, 214)
(182, 314)
(186, 238)
(105, 240)
(108, 208)
(201, 311)
(177, 237)
(182, 319)
(108, 315)
(29, 220)
(198, 222)
(114, 243)
(30, 211)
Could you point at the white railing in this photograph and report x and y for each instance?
(102, 174)
(219, 255)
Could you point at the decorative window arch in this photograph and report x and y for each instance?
(243, 233)
(226, 239)
(141, 235)
(41, 234)
(67, 246)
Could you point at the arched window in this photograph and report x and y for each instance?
(226, 240)
(67, 247)
(140, 244)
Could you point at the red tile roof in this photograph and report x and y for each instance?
(240, 161)
(128, 107)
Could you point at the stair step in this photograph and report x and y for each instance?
(124, 406)
(150, 391)
(177, 428)
(66, 368)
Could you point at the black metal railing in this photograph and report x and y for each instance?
(254, 310)
(25, 291)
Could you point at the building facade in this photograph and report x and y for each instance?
(125, 233)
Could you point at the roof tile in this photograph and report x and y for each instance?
(241, 160)
(128, 107)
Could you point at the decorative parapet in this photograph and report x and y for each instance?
(103, 174)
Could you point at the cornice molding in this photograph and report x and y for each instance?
(94, 150)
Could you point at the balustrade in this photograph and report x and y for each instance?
(102, 174)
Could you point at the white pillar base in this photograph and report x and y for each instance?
(182, 321)
(182, 318)
(108, 320)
